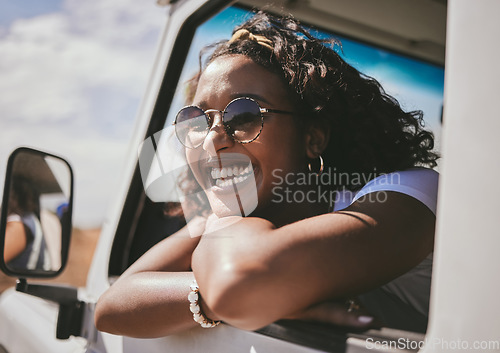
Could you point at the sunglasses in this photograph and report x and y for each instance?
(242, 119)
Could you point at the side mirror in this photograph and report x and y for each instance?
(35, 230)
(35, 224)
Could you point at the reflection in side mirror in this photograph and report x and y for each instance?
(36, 214)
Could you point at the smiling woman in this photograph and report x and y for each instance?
(275, 103)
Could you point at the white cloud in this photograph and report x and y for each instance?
(71, 82)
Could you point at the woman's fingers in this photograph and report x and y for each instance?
(215, 223)
(337, 313)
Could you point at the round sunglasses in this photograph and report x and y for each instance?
(242, 119)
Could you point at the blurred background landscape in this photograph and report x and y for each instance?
(73, 75)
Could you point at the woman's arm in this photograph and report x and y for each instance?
(146, 305)
(150, 298)
(15, 240)
(251, 274)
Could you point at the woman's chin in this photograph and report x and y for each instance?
(241, 201)
(222, 212)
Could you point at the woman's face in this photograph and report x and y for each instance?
(238, 179)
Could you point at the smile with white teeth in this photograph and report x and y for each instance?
(230, 175)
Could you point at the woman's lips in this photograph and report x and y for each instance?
(230, 183)
(225, 170)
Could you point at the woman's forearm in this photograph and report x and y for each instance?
(146, 305)
(251, 274)
(150, 299)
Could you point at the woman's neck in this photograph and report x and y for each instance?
(295, 205)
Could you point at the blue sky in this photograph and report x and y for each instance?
(13, 10)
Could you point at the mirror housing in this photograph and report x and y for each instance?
(36, 215)
(35, 230)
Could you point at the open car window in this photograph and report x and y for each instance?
(152, 211)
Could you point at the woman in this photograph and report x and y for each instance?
(25, 246)
(274, 111)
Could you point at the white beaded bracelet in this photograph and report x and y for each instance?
(194, 307)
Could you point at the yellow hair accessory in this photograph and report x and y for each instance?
(244, 34)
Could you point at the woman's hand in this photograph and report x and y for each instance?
(340, 313)
(214, 224)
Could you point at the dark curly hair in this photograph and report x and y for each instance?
(370, 133)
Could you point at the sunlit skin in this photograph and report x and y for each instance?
(290, 262)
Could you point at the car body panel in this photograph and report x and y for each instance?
(464, 299)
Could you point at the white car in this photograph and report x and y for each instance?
(464, 311)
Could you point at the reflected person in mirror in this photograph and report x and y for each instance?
(308, 123)
(25, 247)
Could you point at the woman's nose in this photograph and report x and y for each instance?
(217, 137)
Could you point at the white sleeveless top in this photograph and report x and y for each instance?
(412, 288)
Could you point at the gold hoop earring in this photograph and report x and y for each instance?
(321, 166)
